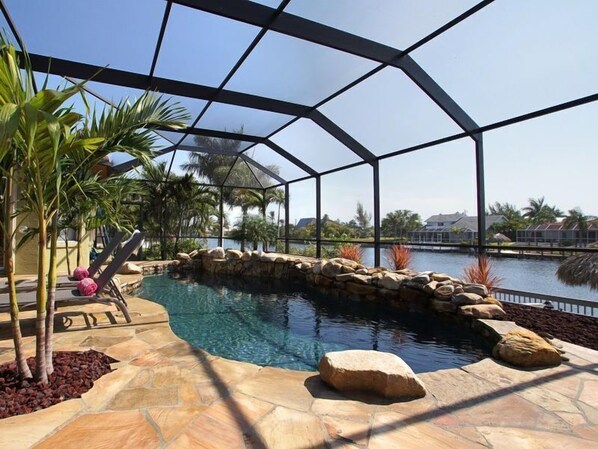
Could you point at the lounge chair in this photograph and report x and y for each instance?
(105, 254)
(119, 259)
(104, 281)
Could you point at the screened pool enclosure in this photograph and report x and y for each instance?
(349, 89)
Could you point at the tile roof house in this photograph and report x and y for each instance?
(558, 233)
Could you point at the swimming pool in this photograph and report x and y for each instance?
(290, 326)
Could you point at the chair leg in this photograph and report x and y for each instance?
(119, 305)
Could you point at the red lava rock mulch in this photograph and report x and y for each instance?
(74, 374)
(576, 329)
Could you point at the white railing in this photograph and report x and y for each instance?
(571, 305)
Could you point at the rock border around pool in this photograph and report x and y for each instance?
(426, 291)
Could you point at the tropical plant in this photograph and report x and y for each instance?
(482, 271)
(399, 223)
(539, 212)
(576, 218)
(255, 228)
(363, 219)
(176, 207)
(513, 219)
(50, 149)
(398, 256)
(311, 251)
(351, 251)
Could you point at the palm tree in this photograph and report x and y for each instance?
(245, 199)
(363, 219)
(54, 149)
(577, 218)
(399, 223)
(513, 219)
(276, 196)
(539, 212)
(534, 210)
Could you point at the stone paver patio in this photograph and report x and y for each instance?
(166, 394)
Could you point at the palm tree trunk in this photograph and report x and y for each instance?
(161, 233)
(41, 374)
(79, 237)
(9, 266)
(178, 234)
(243, 218)
(66, 247)
(278, 222)
(51, 294)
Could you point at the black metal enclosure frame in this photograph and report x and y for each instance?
(270, 19)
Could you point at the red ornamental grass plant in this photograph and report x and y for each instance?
(482, 272)
(351, 251)
(398, 256)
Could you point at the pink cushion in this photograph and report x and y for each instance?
(87, 286)
(80, 273)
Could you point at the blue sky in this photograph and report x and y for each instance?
(511, 58)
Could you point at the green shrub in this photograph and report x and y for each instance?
(310, 251)
(154, 252)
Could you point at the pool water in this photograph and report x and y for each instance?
(290, 326)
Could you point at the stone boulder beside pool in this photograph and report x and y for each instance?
(526, 349)
(381, 373)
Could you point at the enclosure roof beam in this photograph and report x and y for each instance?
(246, 138)
(160, 37)
(433, 90)
(80, 70)
(308, 30)
(299, 163)
(207, 150)
(262, 168)
(295, 26)
(218, 134)
(339, 134)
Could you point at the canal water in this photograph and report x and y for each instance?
(530, 275)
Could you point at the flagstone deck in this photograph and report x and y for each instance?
(167, 394)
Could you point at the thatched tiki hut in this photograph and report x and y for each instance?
(580, 269)
(500, 238)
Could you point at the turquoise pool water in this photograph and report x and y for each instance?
(287, 326)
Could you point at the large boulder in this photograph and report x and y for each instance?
(217, 253)
(131, 268)
(317, 268)
(440, 277)
(199, 253)
(352, 277)
(331, 269)
(347, 263)
(233, 254)
(492, 300)
(421, 278)
(486, 311)
(444, 292)
(392, 281)
(323, 281)
(183, 257)
(526, 349)
(430, 287)
(466, 299)
(381, 373)
(478, 289)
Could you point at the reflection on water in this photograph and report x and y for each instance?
(282, 325)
